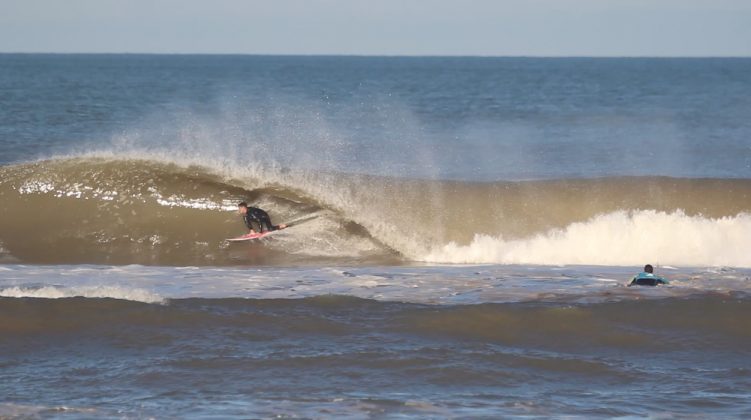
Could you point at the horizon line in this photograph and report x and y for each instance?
(371, 55)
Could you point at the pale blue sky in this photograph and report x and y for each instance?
(381, 27)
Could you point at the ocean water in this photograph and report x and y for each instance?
(465, 231)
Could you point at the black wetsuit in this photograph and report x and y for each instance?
(258, 217)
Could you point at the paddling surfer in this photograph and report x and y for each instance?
(647, 278)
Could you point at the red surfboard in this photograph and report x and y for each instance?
(250, 236)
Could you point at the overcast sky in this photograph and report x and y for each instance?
(381, 27)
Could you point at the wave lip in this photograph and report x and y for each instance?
(620, 238)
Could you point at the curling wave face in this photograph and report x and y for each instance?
(122, 210)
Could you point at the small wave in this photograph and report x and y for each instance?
(514, 323)
(596, 324)
(52, 292)
(11, 410)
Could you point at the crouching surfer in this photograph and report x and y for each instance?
(253, 216)
(647, 278)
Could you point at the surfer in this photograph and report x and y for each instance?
(647, 278)
(253, 216)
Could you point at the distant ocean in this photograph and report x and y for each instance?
(468, 228)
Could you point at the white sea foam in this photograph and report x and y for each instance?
(105, 291)
(11, 410)
(200, 204)
(450, 284)
(619, 238)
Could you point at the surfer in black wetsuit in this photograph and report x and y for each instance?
(253, 216)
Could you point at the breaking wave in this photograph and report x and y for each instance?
(133, 209)
(618, 238)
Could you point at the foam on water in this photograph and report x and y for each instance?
(102, 291)
(415, 284)
(620, 238)
(10, 410)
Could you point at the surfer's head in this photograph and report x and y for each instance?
(648, 268)
(242, 208)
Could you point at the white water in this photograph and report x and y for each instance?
(620, 239)
(427, 285)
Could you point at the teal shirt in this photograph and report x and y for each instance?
(645, 275)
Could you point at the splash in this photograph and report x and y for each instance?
(618, 238)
